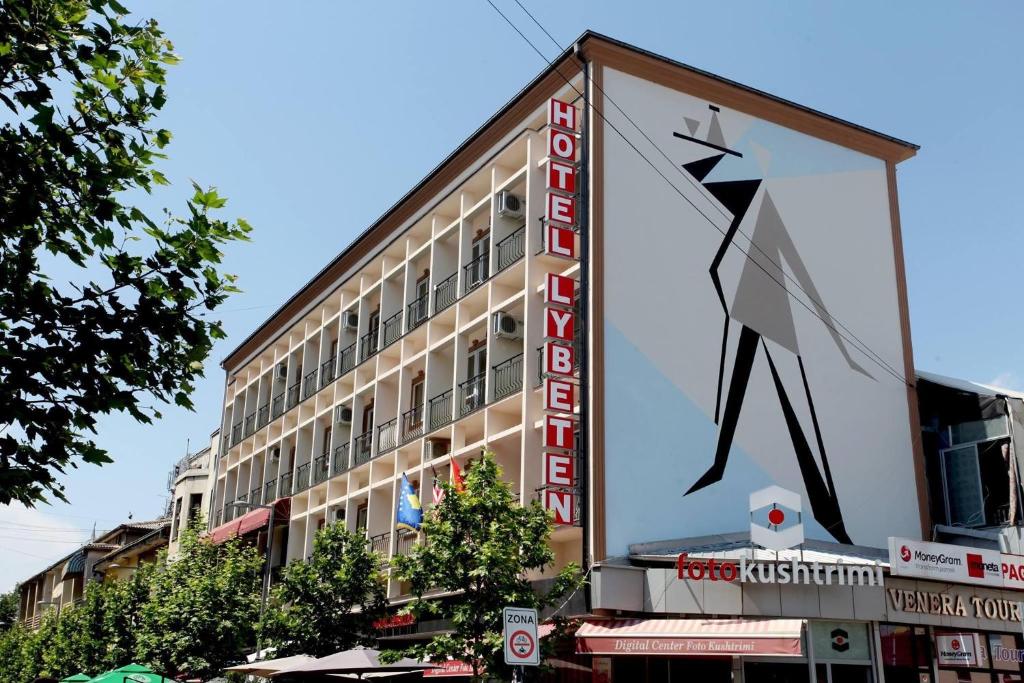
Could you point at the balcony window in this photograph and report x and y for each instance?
(347, 359)
(439, 410)
(392, 329)
(508, 377)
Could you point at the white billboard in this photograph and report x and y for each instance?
(955, 563)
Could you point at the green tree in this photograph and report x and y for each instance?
(122, 615)
(9, 606)
(480, 545)
(102, 307)
(203, 607)
(13, 668)
(330, 602)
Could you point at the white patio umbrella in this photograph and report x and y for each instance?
(271, 666)
(360, 662)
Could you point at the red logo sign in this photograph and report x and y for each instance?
(955, 644)
(905, 554)
(975, 566)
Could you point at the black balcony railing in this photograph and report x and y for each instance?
(387, 436)
(405, 542)
(416, 312)
(508, 377)
(439, 410)
(362, 447)
(477, 271)
(250, 424)
(512, 248)
(472, 394)
(346, 359)
(341, 461)
(309, 385)
(293, 396)
(327, 372)
(392, 329)
(270, 491)
(284, 487)
(368, 344)
(381, 543)
(218, 517)
(244, 498)
(412, 423)
(321, 468)
(302, 477)
(263, 415)
(236, 433)
(446, 293)
(256, 496)
(277, 406)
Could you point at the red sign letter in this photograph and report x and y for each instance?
(561, 114)
(561, 177)
(558, 395)
(558, 432)
(559, 290)
(561, 144)
(558, 469)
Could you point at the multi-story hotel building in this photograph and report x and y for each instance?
(740, 375)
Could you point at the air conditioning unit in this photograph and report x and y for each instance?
(350, 320)
(509, 205)
(504, 326)
(339, 514)
(275, 454)
(438, 447)
(343, 415)
(281, 371)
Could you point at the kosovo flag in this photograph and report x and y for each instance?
(410, 514)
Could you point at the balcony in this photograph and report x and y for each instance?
(512, 248)
(381, 543)
(477, 271)
(446, 293)
(293, 396)
(439, 410)
(341, 461)
(250, 424)
(327, 372)
(270, 491)
(284, 487)
(309, 385)
(404, 543)
(256, 496)
(302, 477)
(412, 424)
(277, 406)
(321, 468)
(347, 359)
(392, 329)
(362, 448)
(218, 517)
(416, 312)
(472, 394)
(236, 433)
(508, 377)
(387, 436)
(263, 415)
(368, 344)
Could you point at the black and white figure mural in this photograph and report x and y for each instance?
(730, 319)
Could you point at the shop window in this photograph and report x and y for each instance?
(842, 651)
(906, 653)
(776, 672)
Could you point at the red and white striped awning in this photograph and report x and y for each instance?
(691, 637)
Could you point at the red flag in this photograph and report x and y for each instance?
(460, 486)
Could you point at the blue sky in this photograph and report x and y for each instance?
(315, 117)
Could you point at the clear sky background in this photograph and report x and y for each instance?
(314, 117)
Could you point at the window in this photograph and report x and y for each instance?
(476, 362)
(416, 400)
(976, 482)
(177, 519)
(478, 265)
(326, 447)
(421, 298)
(362, 513)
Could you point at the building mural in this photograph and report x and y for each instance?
(753, 369)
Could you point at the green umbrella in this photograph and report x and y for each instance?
(132, 673)
(77, 678)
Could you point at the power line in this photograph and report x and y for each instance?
(42, 540)
(859, 345)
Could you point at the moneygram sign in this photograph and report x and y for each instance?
(956, 564)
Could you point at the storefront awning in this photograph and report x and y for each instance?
(252, 521)
(691, 637)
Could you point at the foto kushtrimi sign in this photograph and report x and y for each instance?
(955, 564)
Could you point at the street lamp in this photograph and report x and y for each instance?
(270, 546)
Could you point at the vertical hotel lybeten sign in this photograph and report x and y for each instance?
(559, 467)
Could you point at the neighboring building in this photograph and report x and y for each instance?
(739, 366)
(190, 486)
(110, 555)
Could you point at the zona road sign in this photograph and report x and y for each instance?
(522, 646)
